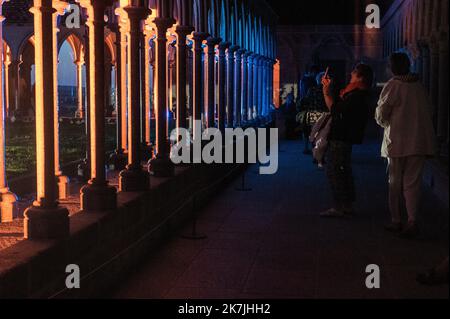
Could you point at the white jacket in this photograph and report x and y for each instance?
(404, 111)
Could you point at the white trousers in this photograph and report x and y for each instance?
(405, 183)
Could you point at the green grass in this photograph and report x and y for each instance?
(21, 146)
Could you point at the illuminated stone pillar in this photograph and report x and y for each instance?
(98, 195)
(118, 159)
(250, 88)
(7, 63)
(14, 86)
(434, 80)
(182, 32)
(134, 178)
(161, 165)
(222, 84)
(210, 82)
(230, 85)
(8, 200)
(123, 85)
(45, 219)
(198, 38)
(255, 87)
(245, 95)
(62, 180)
(238, 86)
(443, 100)
(148, 32)
(80, 105)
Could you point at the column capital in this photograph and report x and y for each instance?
(135, 13)
(163, 24)
(212, 41)
(232, 49)
(239, 53)
(183, 30)
(224, 46)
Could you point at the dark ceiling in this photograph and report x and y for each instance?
(307, 12)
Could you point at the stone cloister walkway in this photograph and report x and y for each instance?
(270, 243)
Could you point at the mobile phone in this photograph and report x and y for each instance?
(326, 73)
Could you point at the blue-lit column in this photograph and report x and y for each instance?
(254, 109)
(238, 86)
(210, 82)
(245, 86)
(198, 38)
(222, 81)
(250, 88)
(230, 85)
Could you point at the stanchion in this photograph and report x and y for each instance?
(243, 188)
(194, 235)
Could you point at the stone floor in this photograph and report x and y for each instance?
(270, 242)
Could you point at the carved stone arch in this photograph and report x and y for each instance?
(75, 43)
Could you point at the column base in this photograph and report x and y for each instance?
(146, 152)
(46, 223)
(63, 186)
(98, 198)
(134, 180)
(118, 161)
(8, 206)
(161, 167)
(84, 170)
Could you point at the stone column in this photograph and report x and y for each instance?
(8, 200)
(14, 86)
(222, 80)
(182, 32)
(434, 80)
(211, 83)
(255, 87)
(161, 165)
(123, 86)
(98, 195)
(198, 38)
(118, 159)
(230, 85)
(62, 180)
(443, 100)
(45, 219)
(147, 93)
(250, 89)
(7, 63)
(245, 78)
(134, 178)
(426, 67)
(80, 105)
(238, 86)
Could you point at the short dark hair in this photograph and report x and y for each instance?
(365, 72)
(400, 63)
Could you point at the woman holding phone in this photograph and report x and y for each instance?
(350, 114)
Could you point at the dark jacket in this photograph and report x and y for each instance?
(350, 116)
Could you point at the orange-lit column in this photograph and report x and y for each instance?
(161, 165)
(63, 181)
(45, 219)
(122, 79)
(222, 84)
(80, 107)
(210, 81)
(7, 63)
(182, 32)
(14, 87)
(148, 31)
(134, 178)
(97, 195)
(118, 159)
(8, 201)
